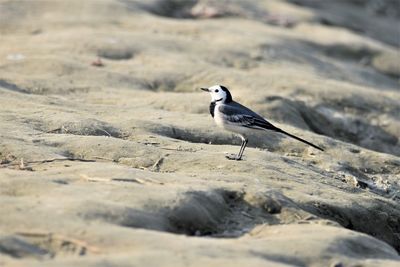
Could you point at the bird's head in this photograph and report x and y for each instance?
(219, 93)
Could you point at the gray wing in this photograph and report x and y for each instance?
(234, 113)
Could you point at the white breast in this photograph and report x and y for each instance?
(218, 118)
(232, 127)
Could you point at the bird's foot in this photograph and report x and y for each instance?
(233, 157)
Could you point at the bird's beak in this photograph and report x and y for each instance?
(205, 89)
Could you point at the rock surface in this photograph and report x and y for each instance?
(108, 156)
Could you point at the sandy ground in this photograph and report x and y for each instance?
(108, 156)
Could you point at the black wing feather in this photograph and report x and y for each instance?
(237, 114)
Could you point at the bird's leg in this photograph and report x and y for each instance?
(244, 144)
(242, 147)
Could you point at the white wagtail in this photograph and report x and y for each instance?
(236, 118)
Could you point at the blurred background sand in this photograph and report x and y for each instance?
(108, 156)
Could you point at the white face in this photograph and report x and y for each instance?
(217, 94)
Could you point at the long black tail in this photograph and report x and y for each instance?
(298, 138)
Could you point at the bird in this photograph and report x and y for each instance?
(236, 118)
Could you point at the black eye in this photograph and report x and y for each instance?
(217, 91)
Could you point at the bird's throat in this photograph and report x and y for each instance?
(212, 108)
